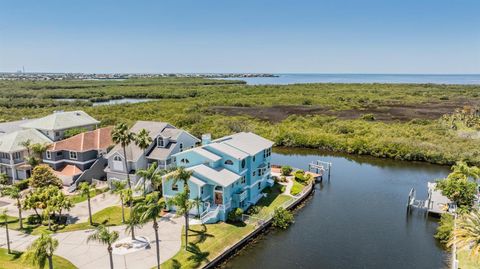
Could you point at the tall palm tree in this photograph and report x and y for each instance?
(14, 193)
(143, 141)
(467, 233)
(150, 210)
(181, 200)
(151, 174)
(4, 217)
(182, 205)
(85, 189)
(118, 187)
(102, 235)
(37, 149)
(41, 250)
(122, 135)
(133, 222)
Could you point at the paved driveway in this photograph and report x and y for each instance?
(74, 247)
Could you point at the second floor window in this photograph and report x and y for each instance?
(160, 143)
(73, 155)
(243, 180)
(17, 155)
(48, 154)
(181, 146)
(174, 187)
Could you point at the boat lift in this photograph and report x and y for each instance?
(320, 167)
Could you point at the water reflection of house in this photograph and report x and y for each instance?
(81, 154)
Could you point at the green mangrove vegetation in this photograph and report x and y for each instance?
(400, 121)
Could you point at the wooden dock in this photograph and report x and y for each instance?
(435, 204)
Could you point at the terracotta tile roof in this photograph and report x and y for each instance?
(69, 170)
(93, 140)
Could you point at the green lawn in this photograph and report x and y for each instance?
(110, 216)
(467, 262)
(77, 198)
(274, 199)
(297, 187)
(205, 243)
(15, 261)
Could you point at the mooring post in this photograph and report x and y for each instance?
(329, 168)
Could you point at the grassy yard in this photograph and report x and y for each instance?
(15, 261)
(467, 262)
(205, 243)
(77, 198)
(110, 216)
(297, 187)
(274, 199)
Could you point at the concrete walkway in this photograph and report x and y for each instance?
(74, 246)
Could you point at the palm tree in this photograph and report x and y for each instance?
(133, 222)
(85, 189)
(150, 209)
(4, 217)
(143, 141)
(14, 193)
(461, 170)
(181, 200)
(102, 235)
(151, 174)
(121, 135)
(467, 233)
(42, 250)
(37, 150)
(182, 205)
(118, 187)
(197, 202)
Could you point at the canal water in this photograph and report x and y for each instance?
(357, 219)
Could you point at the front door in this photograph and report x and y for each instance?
(218, 198)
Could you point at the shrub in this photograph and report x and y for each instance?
(22, 184)
(444, 229)
(34, 219)
(282, 218)
(43, 176)
(286, 170)
(460, 191)
(307, 102)
(253, 210)
(235, 215)
(283, 188)
(276, 179)
(368, 117)
(296, 189)
(283, 179)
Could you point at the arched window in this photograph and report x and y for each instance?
(117, 163)
(184, 161)
(243, 163)
(229, 162)
(218, 188)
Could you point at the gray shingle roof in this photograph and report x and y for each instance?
(132, 150)
(61, 121)
(12, 126)
(12, 142)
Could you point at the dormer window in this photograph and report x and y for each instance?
(160, 142)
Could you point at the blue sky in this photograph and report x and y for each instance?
(334, 36)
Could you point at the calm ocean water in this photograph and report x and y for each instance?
(362, 78)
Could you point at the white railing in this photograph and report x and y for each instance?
(205, 211)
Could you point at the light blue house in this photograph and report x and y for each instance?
(228, 173)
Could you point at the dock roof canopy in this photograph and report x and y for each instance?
(61, 121)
